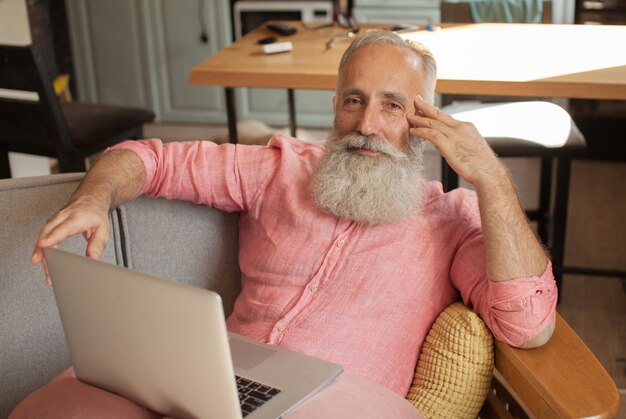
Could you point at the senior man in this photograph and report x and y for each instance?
(346, 252)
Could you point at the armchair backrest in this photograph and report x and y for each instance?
(33, 348)
(182, 241)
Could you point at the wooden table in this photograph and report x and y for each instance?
(573, 61)
(534, 60)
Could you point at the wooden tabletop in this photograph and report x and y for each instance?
(574, 61)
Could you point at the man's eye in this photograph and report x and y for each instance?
(352, 101)
(394, 106)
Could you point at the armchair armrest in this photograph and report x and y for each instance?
(560, 379)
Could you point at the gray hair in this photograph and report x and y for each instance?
(384, 37)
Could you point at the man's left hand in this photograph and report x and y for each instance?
(460, 143)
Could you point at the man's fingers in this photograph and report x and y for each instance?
(436, 137)
(51, 224)
(37, 257)
(47, 273)
(419, 121)
(69, 227)
(97, 242)
(42, 240)
(430, 134)
(61, 226)
(433, 112)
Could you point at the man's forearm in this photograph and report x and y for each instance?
(512, 248)
(116, 178)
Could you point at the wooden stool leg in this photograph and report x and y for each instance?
(5, 166)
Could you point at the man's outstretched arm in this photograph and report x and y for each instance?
(512, 249)
(116, 178)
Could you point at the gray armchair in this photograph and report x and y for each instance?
(198, 245)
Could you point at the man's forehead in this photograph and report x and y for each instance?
(386, 59)
(388, 71)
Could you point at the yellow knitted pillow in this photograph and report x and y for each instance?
(454, 370)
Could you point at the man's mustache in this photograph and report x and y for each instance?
(368, 142)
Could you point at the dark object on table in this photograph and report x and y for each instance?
(282, 28)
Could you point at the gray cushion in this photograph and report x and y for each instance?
(184, 242)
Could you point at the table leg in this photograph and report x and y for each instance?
(557, 249)
(544, 219)
(292, 112)
(231, 114)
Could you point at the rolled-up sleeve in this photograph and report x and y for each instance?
(519, 309)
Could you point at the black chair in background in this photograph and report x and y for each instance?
(33, 121)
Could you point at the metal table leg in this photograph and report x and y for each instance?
(557, 249)
(231, 114)
(544, 219)
(292, 112)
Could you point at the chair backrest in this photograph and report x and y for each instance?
(31, 118)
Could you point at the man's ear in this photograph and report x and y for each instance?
(335, 103)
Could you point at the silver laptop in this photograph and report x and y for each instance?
(164, 345)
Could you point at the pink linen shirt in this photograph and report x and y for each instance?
(363, 296)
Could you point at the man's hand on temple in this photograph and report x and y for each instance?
(460, 143)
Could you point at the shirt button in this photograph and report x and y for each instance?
(313, 288)
(340, 244)
(281, 328)
(523, 301)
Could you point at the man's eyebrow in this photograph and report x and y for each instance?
(353, 91)
(396, 96)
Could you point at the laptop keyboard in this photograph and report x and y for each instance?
(253, 394)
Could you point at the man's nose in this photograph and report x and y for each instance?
(370, 122)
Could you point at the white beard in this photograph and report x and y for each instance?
(369, 189)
